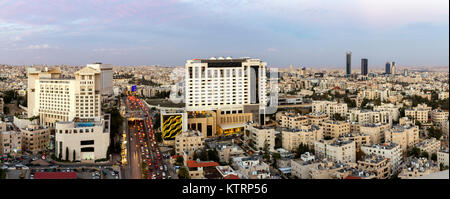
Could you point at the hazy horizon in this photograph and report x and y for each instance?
(167, 33)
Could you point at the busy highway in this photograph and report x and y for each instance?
(145, 158)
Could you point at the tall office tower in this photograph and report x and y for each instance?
(349, 64)
(393, 68)
(364, 66)
(230, 85)
(388, 68)
(405, 72)
(55, 98)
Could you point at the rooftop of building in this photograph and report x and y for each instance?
(193, 163)
(373, 158)
(389, 145)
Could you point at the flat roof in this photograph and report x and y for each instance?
(55, 175)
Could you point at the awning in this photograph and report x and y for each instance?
(231, 126)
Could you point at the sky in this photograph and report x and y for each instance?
(311, 33)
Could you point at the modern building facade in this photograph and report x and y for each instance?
(364, 66)
(86, 139)
(231, 85)
(54, 97)
(348, 66)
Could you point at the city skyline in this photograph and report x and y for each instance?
(303, 33)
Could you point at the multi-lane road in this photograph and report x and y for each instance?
(145, 160)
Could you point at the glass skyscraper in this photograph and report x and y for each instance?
(364, 66)
(349, 64)
(388, 68)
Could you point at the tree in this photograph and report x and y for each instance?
(158, 136)
(203, 155)
(278, 143)
(434, 157)
(179, 161)
(2, 174)
(67, 153)
(276, 156)
(183, 173)
(424, 154)
(434, 132)
(364, 103)
(74, 156)
(414, 152)
(338, 117)
(302, 148)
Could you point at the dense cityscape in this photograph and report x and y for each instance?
(215, 120)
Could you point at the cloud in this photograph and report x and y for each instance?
(272, 49)
(38, 47)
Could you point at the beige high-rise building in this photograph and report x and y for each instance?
(337, 150)
(380, 165)
(405, 136)
(390, 151)
(54, 97)
(35, 139)
(189, 141)
(375, 131)
(334, 129)
(292, 138)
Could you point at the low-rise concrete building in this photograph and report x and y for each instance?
(390, 151)
(292, 138)
(87, 139)
(336, 150)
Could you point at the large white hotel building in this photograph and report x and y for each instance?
(53, 97)
(230, 85)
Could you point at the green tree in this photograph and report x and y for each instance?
(158, 136)
(2, 174)
(424, 154)
(278, 143)
(301, 149)
(74, 156)
(434, 157)
(276, 156)
(183, 173)
(67, 153)
(179, 161)
(203, 155)
(414, 152)
(434, 132)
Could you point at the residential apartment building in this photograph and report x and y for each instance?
(251, 167)
(334, 129)
(377, 164)
(406, 136)
(391, 108)
(416, 167)
(329, 108)
(375, 131)
(359, 138)
(439, 116)
(292, 138)
(442, 157)
(189, 141)
(369, 117)
(10, 139)
(35, 139)
(429, 145)
(262, 137)
(390, 151)
(419, 113)
(337, 150)
(227, 152)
